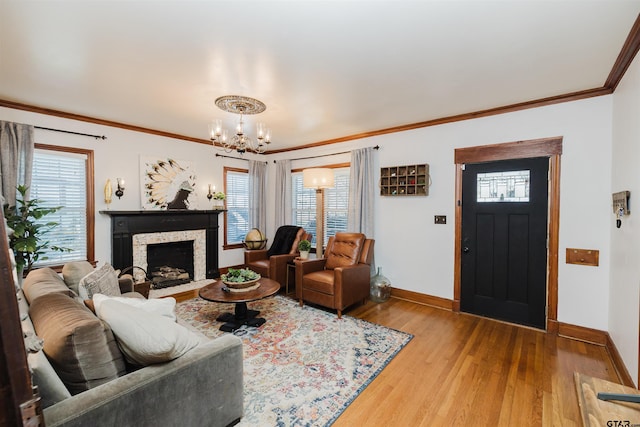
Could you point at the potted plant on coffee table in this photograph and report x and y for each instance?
(304, 247)
(28, 240)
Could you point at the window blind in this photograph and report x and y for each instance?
(237, 224)
(336, 205)
(59, 179)
(303, 206)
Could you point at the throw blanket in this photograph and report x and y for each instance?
(283, 240)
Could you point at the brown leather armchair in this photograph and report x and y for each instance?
(341, 278)
(272, 263)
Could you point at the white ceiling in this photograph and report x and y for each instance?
(325, 69)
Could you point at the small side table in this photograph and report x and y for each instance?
(291, 269)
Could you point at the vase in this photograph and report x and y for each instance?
(304, 254)
(380, 290)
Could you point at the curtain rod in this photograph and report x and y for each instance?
(377, 147)
(73, 133)
(237, 158)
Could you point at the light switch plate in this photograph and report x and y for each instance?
(440, 219)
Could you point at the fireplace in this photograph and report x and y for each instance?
(182, 250)
(133, 232)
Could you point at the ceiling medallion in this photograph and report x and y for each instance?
(240, 142)
(240, 104)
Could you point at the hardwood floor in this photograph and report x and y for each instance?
(462, 370)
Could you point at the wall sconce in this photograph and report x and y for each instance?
(210, 193)
(108, 191)
(319, 179)
(120, 187)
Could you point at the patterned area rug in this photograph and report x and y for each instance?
(304, 366)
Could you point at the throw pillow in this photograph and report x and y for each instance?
(73, 272)
(81, 348)
(165, 307)
(43, 281)
(146, 338)
(103, 280)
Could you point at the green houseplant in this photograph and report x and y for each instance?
(28, 240)
(218, 199)
(304, 247)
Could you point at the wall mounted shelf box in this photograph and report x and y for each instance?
(409, 180)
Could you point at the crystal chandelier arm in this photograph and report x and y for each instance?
(240, 126)
(240, 142)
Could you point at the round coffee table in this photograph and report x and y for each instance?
(242, 315)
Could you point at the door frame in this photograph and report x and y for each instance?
(543, 147)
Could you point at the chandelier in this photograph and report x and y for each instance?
(240, 142)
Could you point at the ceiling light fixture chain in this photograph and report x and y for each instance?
(240, 142)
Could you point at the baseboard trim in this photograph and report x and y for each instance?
(618, 364)
(598, 337)
(424, 299)
(582, 333)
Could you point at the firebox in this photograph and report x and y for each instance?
(170, 264)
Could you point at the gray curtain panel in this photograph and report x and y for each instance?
(283, 193)
(361, 192)
(16, 158)
(258, 195)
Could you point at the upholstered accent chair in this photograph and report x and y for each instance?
(272, 263)
(341, 278)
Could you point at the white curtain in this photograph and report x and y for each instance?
(283, 193)
(16, 158)
(258, 195)
(361, 192)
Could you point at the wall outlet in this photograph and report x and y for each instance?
(440, 219)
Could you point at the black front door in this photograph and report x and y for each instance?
(504, 236)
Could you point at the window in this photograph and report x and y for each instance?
(63, 176)
(512, 186)
(336, 204)
(236, 218)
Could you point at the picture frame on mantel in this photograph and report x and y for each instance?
(167, 184)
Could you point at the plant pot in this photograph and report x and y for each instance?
(304, 254)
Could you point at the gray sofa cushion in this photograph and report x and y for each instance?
(50, 387)
(203, 388)
(41, 282)
(73, 272)
(81, 348)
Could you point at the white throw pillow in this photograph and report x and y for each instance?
(145, 338)
(103, 280)
(165, 307)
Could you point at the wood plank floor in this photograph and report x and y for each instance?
(462, 370)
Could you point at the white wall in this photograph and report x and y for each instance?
(119, 156)
(625, 241)
(414, 253)
(417, 255)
